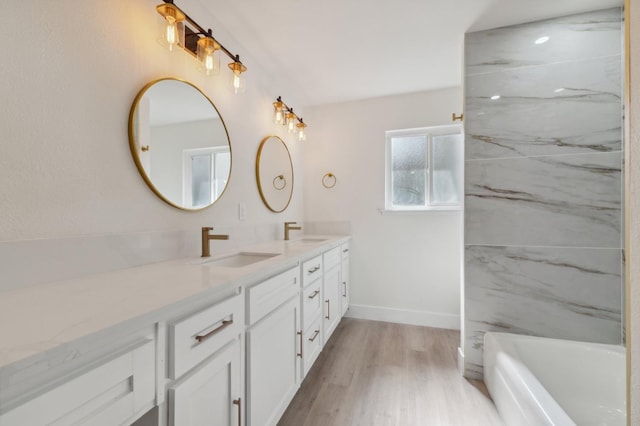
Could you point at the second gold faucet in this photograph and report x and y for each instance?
(288, 227)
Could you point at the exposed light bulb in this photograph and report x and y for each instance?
(171, 33)
(236, 82)
(209, 63)
(278, 117)
(292, 126)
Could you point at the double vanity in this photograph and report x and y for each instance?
(220, 340)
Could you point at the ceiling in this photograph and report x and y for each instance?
(330, 51)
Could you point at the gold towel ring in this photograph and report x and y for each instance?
(329, 180)
(283, 185)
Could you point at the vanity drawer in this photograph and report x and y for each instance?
(311, 303)
(311, 270)
(331, 258)
(344, 250)
(114, 392)
(268, 295)
(312, 345)
(198, 336)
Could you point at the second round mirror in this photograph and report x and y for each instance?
(274, 174)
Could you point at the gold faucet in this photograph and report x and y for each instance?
(288, 227)
(206, 237)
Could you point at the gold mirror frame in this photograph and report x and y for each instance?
(265, 182)
(135, 147)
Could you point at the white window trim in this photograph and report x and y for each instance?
(425, 131)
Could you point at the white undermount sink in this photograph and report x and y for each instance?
(309, 240)
(240, 259)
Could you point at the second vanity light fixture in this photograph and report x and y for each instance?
(198, 42)
(284, 115)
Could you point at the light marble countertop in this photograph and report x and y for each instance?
(38, 318)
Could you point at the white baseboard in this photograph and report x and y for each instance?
(404, 316)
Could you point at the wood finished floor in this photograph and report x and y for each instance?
(377, 374)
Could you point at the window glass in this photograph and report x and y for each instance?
(409, 170)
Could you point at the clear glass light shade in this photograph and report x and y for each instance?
(172, 33)
(209, 55)
(291, 122)
(302, 131)
(238, 82)
(278, 112)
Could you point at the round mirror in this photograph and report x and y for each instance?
(274, 174)
(180, 144)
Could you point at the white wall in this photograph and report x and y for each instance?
(70, 72)
(404, 267)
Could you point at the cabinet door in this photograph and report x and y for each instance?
(345, 286)
(273, 364)
(210, 394)
(332, 295)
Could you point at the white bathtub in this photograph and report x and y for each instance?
(538, 381)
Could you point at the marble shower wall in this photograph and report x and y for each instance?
(543, 173)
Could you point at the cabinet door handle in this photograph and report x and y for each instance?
(238, 402)
(202, 337)
(315, 334)
(299, 333)
(345, 250)
(314, 269)
(328, 309)
(314, 294)
(344, 294)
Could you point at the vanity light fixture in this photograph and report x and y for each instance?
(302, 135)
(283, 114)
(237, 79)
(181, 30)
(279, 109)
(208, 54)
(173, 33)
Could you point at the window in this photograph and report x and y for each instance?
(424, 169)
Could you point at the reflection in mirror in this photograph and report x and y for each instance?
(180, 144)
(274, 174)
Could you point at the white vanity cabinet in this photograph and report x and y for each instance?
(345, 278)
(205, 358)
(115, 391)
(274, 347)
(332, 292)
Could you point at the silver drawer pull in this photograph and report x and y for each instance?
(314, 269)
(314, 294)
(345, 250)
(315, 334)
(203, 337)
(299, 333)
(328, 309)
(344, 283)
